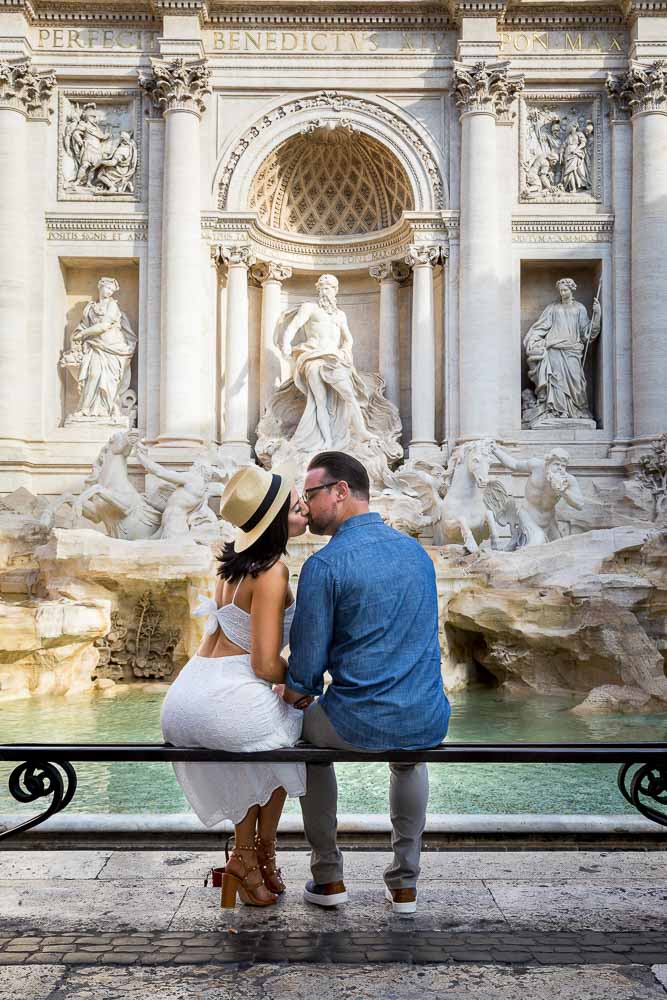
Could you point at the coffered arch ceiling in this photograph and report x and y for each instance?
(330, 181)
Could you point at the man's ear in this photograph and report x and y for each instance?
(342, 490)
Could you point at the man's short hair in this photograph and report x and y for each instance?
(342, 467)
(557, 455)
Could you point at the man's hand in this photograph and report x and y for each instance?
(296, 698)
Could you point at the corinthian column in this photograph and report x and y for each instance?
(643, 90)
(483, 91)
(389, 275)
(177, 88)
(422, 260)
(24, 93)
(270, 276)
(235, 434)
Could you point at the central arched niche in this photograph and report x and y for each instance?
(330, 182)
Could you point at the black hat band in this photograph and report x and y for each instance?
(265, 505)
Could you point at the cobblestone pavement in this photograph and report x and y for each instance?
(96, 925)
(340, 947)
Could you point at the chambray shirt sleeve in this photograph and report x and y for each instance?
(312, 629)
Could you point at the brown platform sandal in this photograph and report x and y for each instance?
(266, 857)
(243, 883)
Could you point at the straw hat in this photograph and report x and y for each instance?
(252, 499)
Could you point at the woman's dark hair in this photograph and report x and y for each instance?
(342, 467)
(261, 555)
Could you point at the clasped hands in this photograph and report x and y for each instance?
(301, 701)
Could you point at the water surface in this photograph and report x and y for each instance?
(477, 716)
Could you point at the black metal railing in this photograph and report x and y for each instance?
(45, 769)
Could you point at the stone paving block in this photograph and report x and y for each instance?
(34, 983)
(550, 906)
(460, 909)
(70, 906)
(120, 958)
(442, 865)
(368, 982)
(52, 864)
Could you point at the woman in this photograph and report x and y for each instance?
(223, 698)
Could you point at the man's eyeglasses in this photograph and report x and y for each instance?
(307, 494)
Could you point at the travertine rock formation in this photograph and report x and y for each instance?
(584, 615)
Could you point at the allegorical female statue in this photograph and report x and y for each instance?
(555, 347)
(102, 347)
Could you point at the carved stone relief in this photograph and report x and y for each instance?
(141, 648)
(332, 101)
(560, 155)
(99, 146)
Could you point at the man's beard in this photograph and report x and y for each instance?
(327, 300)
(557, 480)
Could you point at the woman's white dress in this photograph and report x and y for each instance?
(220, 703)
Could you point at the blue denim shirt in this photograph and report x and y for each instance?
(367, 611)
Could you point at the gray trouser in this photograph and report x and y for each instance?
(408, 797)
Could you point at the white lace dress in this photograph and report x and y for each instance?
(220, 703)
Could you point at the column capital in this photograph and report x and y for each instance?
(26, 89)
(431, 253)
(177, 84)
(641, 89)
(270, 270)
(393, 270)
(486, 87)
(233, 256)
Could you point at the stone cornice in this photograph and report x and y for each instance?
(540, 19)
(177, 84)
(314, 253)
(26, 88)
(561, 229)
(476, 8)
(96, 228)
(638, 8)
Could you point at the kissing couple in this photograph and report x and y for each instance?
(366, 613)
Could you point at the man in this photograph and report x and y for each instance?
(367, 613)
(548, 482)
(323, 370)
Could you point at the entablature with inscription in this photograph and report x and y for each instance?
(313, 254)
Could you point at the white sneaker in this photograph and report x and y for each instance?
(403, 901)
(328, 894)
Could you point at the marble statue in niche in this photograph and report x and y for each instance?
(326, 403)
(100, 358)
(556, 347)
(101, 157)
(558, 152)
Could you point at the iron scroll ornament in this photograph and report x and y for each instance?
(36, 779)
(648, 782)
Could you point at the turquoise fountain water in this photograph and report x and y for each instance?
(477, 715)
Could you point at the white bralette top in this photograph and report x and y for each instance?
(234, 621)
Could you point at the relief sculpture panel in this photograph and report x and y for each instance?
(560, 155)
(99, 140)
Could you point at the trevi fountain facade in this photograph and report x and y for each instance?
(433, 235)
